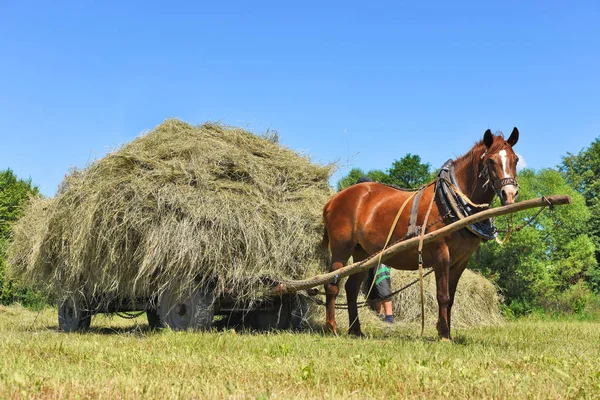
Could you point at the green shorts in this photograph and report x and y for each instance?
(382, 287)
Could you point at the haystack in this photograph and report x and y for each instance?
(179, 204)
(476, 302)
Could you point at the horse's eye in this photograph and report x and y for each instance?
(517, 159)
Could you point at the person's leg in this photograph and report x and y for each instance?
(384, 290)
(389, 312)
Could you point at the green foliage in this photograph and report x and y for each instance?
(14, 193)
(577, 299)
(408, 172)
(350, 179)
(541, 262)
(582, 171)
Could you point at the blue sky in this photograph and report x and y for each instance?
(355, 82)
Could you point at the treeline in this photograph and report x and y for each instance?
(14, 193)
(551, 266)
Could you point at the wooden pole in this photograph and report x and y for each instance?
(409, 244)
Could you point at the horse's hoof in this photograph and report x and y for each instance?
(445, 340)
(357, 334)
(330, 329)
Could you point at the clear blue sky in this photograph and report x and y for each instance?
(363, 83)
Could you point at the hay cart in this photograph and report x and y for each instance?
(195, 309)
(281, 308)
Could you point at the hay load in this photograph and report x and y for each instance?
(179, 203)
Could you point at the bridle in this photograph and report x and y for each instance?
(497, 184)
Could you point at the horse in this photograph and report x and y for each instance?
(358, 220)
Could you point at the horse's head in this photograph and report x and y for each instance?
(500, 165)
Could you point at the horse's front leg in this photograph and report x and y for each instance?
(442, 273)
(455, 273)
(352, 289)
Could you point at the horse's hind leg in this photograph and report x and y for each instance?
(340, 253)
(352, 290)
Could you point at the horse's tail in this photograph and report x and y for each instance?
(325, 254)
(324, 248)
(325, 241)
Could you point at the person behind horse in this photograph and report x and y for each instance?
(378, 284)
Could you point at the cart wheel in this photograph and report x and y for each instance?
(153, 318)
(194, 311)
(298, 312)
(291, 312)
(268, 320)
(73, 315)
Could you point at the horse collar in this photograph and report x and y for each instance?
(455, 207)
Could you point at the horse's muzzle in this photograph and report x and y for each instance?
(508, 194)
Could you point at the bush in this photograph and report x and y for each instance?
(577, 299)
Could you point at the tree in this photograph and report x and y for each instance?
(542, 261)
(350, 179)
(582, 172)
(355, 173)
(14, 193)
(409, 172)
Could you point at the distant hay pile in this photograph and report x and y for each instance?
(476, 302)
(178, 203)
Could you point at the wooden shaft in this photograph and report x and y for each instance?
(409, 244)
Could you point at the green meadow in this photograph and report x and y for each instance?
(527, 358)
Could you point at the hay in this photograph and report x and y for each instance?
(476, 302)
(177, 204)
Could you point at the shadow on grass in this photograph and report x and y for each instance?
(396, 332)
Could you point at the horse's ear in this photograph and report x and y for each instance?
(514, 137)
(488, 138)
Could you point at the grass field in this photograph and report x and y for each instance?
(123, 359)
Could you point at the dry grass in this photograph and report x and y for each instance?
(476, 305)
(177, 204)
(476, 302)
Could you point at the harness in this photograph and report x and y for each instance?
(454, 206)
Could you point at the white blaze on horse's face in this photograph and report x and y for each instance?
(508, 193)
(503, 157)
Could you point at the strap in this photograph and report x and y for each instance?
(413, 230)
(420, 249)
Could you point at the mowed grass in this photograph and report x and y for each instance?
(123, 359)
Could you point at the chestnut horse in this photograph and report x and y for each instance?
(359, 218)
